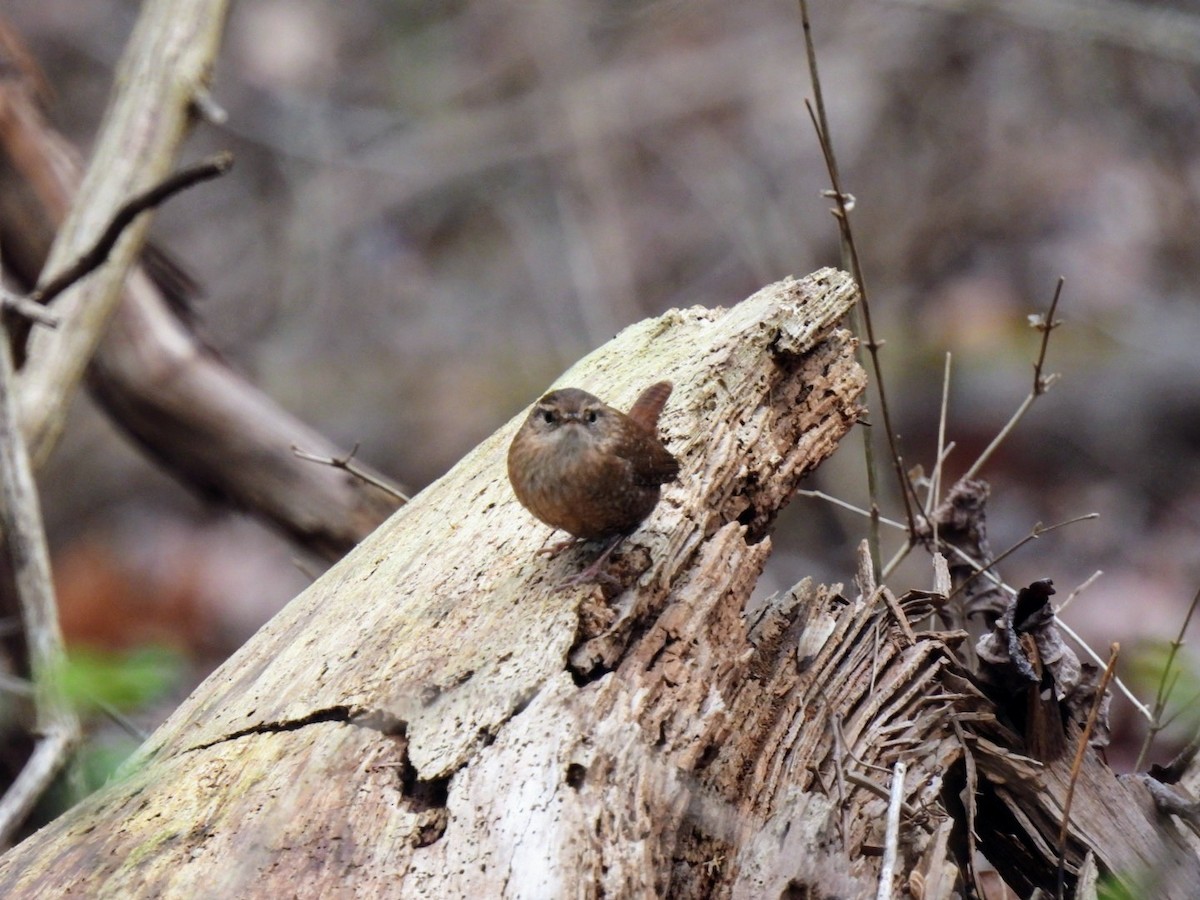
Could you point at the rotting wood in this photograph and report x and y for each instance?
(471, 729)
(434, 718)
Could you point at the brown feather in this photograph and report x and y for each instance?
(649, 405)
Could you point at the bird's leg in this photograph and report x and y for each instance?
(593, 572)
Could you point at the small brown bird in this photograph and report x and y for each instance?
(591, 470)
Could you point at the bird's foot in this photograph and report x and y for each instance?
(595, 572)
(559, 546)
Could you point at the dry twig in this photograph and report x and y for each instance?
(55, 724)
(1163, 694)
(1101, 689)
(1041, 383)
(842, 214)
(891, 847)
(346, 463)
(1037, 531)
(97, 255)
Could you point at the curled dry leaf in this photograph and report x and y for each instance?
(1037, 679)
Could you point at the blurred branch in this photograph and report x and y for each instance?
(97, 255)
(24, 540)
(348, 464)
(169, 56)
(205, 423)
(27, 309)
(1155, 30)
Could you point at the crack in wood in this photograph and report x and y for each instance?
(333, 714)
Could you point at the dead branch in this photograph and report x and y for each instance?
(168, 57)
(97, 255)
(55, 727)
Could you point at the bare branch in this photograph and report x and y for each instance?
(168, 58)
(1040, 384)
(1038, 530)
(25, 543)
(1163, 694)
(97, 255)
(27, 308)
(347, 464)
(850, 251)
(1077, 765)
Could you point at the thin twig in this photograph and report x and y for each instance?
(121, 720)
(1041, 384)
(1095, 657)
(859, 780)
(23, 306)
(935, 479)
(97, 255)
(1077, 765)
(935, 483)
(846, 751)
(821, 124)
(1087, 583)
(821, 495)
(839, 770)
(891, 844)
(1037, 532)
(1163, 694)
(873, 346)
(347, 463)
(1188, 705)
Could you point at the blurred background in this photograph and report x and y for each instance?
(436, 208)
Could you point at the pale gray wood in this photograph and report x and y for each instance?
(433, 717)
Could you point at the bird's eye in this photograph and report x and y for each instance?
(548, 416)
(591, 416)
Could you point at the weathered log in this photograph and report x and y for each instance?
(434, 717)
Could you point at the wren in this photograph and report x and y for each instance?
(591, 470)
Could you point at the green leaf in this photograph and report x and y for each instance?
(93, 679)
